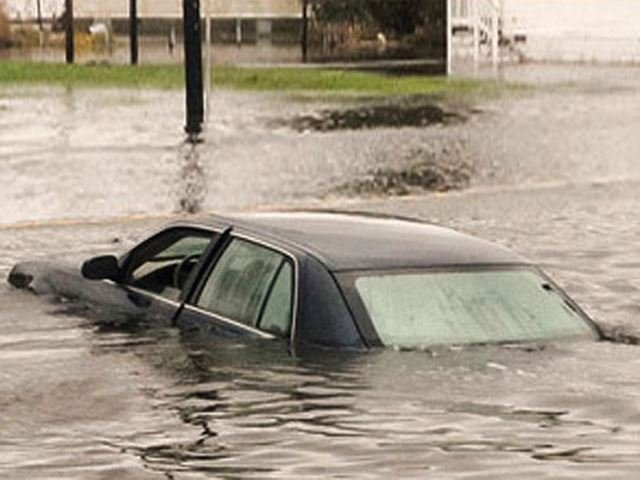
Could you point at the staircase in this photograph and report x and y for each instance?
(475, 30)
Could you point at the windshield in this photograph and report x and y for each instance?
(420, 309)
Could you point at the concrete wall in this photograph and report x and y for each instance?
(173, 8)
(577, 30)
(159, 8)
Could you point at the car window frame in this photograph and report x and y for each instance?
(125, 260)
(206, 272)
(346, 280)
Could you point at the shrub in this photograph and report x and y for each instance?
(393, 17)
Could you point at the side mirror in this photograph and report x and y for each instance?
(101, 268)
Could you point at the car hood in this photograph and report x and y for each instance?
(44, 277)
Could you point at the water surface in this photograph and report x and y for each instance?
(89, 172)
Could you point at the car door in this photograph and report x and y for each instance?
(250, 291)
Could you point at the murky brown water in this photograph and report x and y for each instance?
(155, 50)
(554, 179)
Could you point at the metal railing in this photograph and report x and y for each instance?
(482, 19)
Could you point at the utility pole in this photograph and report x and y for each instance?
(208, 66)
(133, 31)
(193, 67)
(39, 6)
(40, 25)
(69, 47)
(305, 30)
(448, 39)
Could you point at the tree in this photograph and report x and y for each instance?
(351, 11)
(393, 17)
(399, 17)
(5, 27)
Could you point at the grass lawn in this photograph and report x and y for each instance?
(286, 80)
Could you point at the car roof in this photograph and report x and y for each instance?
(355, 241)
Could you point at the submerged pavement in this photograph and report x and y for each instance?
(116, 153)
(552, 176)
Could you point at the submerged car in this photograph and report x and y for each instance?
(325, 279)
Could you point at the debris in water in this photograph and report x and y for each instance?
(428, 174)
(374, 116)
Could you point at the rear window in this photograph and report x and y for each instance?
(427, 308)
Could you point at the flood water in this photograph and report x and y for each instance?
(86, 172)
(155, 50)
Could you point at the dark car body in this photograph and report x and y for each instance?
(307, 259)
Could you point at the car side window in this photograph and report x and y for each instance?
(249, 282)
(162, 264)
(276, 317)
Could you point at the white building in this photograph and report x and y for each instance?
(576, 30)
(28, 9)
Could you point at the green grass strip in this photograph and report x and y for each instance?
(13, 72)
(286, 80)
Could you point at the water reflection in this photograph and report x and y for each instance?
(224, 392)
(192, 183)
(65, 127)
(253, 410)
(154, 50)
